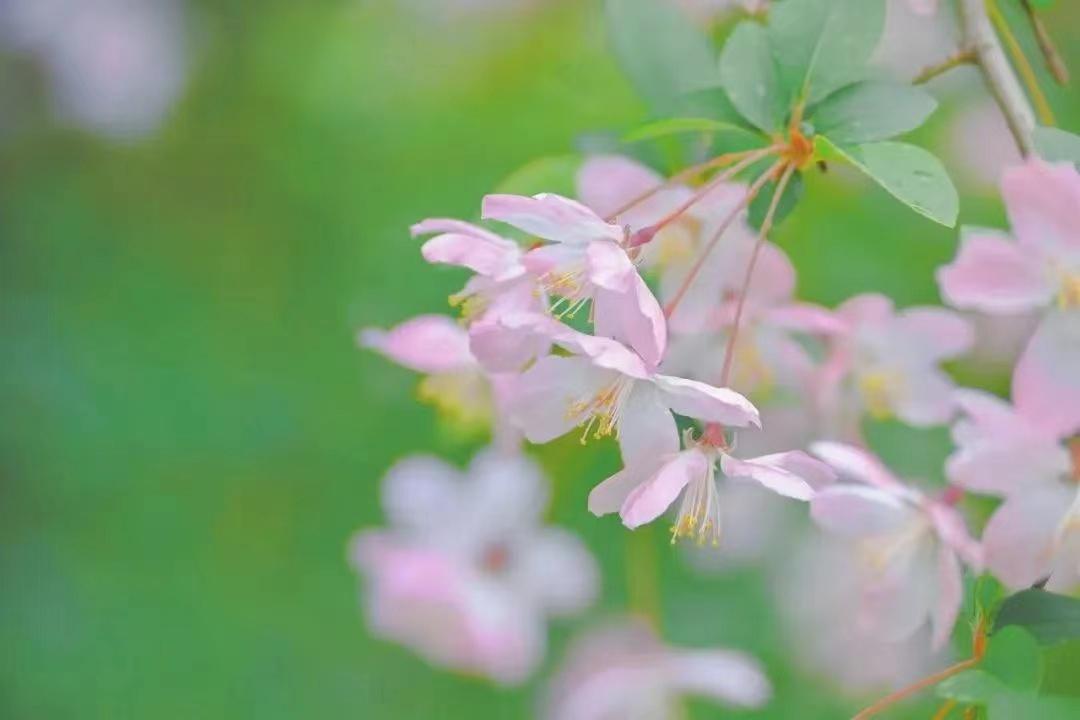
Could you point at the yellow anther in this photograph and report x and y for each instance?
(875, 389)
(1069, 294)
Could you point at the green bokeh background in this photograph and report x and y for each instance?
(188, 433)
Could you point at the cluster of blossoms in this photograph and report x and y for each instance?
(713, 347)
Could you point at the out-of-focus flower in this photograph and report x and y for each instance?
(438, 347)
(586, 259)
(115, 66)
(915, 37)
(886, 363)
(1011, 452)
(1040, 270)
(818, 589)
(981, 144)
(909, 546)
(624, 671)
(648, 486)
(609, 388)
(466, 574)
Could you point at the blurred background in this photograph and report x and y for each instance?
(201, 202)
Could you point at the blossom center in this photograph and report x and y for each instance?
(570, 286)
(875, 388)
(460, 396)
(879, 553)
(599, 414)
(699, 512)
(1069, 293)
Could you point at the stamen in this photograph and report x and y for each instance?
(600, 413)
(699, 513)
(877, 553)
(875, 389)
(1069, 294)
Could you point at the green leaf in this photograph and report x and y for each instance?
(1050, 617)
(661, 51)
(910, 174)
(1057, 145)
(823, 45)
(872, 110)
(555, 174)
(748, 74)
(759, 206)
(1013, 657)
(981, 688)
(971, 687)
(675, 126)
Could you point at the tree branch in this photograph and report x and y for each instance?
(979, 35)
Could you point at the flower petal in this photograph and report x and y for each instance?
(609, 266)
(649, 500)
(857, 464)
(634, 317)
(1043, 202)
(551, 217)
(647, 430)
(994, 274)
(771, 473)
(506, 495)
(607, 183)
(859, 510)
(470, 246)
(729, 677)
(1046, 383)
(950, 594)
(541, 399)
(1020, 536)
(706, 402)
(943, 333)
(508, 342)
(427, 344)
(419, 490)
(555, 570)
(924, 397)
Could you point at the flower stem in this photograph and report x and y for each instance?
(684, 175)
(964, 56)
(751, 193)
(1023, 66)
(944, 710)
(890, 700)
(766, 225)
(1054, 62)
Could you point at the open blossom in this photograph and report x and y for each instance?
(585, 259)
(885, 363)
(651, 482)
(438, 347)
(608, 389)
(1011, 452)
(466, 575)
(909, 544)
(624, 671)
(1039, 270)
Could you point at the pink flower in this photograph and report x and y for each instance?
(608, 388)
(625, 671)
(466, 574)
(651, 483)
(886, 363)
(1038, 270)
(585, 259)
(909, 545)
(1011, 452)
(438, 347)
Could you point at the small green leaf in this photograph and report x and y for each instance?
(872, 110)
(555, 174)
(1057, 145)
(675, 126)
(759, 206)
(661, 51)
(971, 687)
(1050, 617)
(748, 74)
(823, 45)
(910, 174)
(1013, 657)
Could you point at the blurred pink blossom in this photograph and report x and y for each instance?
(115, 66)
(1011, 452)
(980, 143)
(624, 671)
(885, 364)
(910, 546)
(466, 575)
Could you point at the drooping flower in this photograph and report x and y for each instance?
(1013, 453)
(608, 389)
(885, 363)
(585, 259)
(438, 347)
(466, 575)
(1039, 270)
(624, 671)
(910, 545)
(650, 483)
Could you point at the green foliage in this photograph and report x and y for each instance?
(910, 174)
(660, 50)
(822, 45)
(676, 126)
(1057, 145)
(872, 110)
(749, 75)
(554, 174)
(1050, 617)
